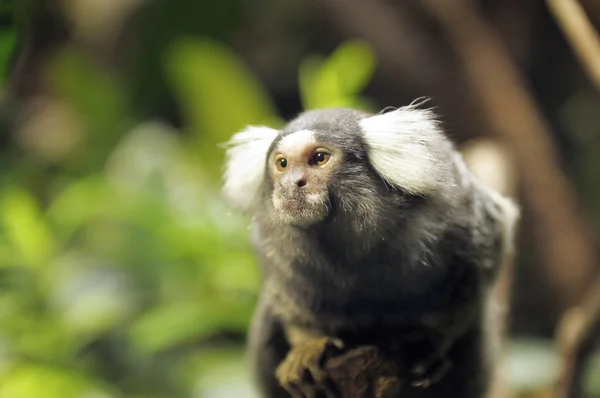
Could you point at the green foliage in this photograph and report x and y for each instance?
(218, 94)
(339, 79)
(49, 382)
(25, 228)
(120, 265)
(119, 261)
(163, 22)
(96, 99)
(534, 367)
(8, 42)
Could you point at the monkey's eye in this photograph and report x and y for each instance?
(281, 163)
(320, 158)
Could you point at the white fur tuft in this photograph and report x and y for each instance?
(407, 148)
(297, 139)
(245, 165)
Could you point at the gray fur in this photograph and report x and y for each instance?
(384, 260)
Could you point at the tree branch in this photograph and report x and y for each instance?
(579, 329)
(566, 239)
(578, 335)
(581, 35)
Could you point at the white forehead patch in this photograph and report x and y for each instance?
(297, 139)
(245, 164)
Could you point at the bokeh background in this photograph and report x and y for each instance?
(122, 272)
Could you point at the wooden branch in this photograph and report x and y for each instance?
(568, 247)
(580, 33)
(578, 335)
(579, 329)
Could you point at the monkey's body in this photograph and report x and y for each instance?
(468, 377)
(407, 268)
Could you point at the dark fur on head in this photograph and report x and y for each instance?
(364, 209)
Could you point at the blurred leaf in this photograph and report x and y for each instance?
(337, 80)
(27, 13)
(179, 322)
(47, 382)
(151, 161)
(319, 84)
(148, 149)
(157, 252)
(234, 271)
(591, 377)
(77, 203)
(44, 339)
(170, 324)
(148, 396)
(161, 22)
(97, 99)
(6, 8)
(217, 92)
(222, 373)
(8, 43)
(7, 253)
(90, 297)
(533, 363)
(354, 62)
(24, 225)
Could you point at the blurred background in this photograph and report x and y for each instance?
(122, 272)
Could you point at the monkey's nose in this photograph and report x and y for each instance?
(301, 183)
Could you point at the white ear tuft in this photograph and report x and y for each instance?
(245, 165)
(408, 149)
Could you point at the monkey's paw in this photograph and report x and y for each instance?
(365, 372)
(303, 372)
(429, 371)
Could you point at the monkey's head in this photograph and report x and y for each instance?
(331, 162)
(301, 167)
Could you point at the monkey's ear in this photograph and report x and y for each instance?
(407, 148)
(245, 165)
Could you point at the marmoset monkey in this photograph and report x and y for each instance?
(370, 230)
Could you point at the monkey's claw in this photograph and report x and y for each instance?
(429, 372)
(302, 373)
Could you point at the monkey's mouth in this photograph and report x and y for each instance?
(293, 205)
(302, 210)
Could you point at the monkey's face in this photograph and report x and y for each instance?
(301, 169)
(338, 162)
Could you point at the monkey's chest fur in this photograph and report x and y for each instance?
(384, 297)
